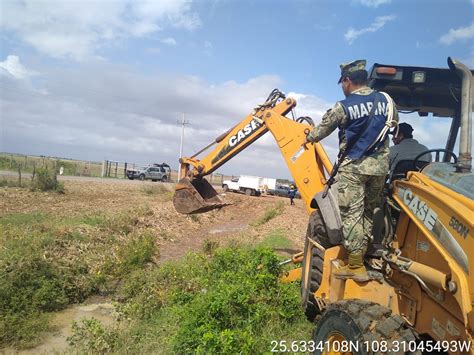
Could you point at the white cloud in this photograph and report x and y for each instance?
(13, 67)
(432, 132)
(458, 34)
(109, 111)
(77, 30)
(373, 3)
(310, 105)
(208, 45)
(352, 34)
(169, 41)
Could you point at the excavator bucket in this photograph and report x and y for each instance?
(196, 196)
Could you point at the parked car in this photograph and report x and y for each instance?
(282, 190)
(155, 172)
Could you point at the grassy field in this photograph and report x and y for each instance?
(214, 293)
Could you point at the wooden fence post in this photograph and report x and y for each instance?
(34, 171)
(55, 166)
(104, 168)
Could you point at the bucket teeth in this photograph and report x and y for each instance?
(196, 196)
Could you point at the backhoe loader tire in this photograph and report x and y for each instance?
(365, 326)
(248, 192)
(317, 232)
(225, 188)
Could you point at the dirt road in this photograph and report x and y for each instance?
(176, 234)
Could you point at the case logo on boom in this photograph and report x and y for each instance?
(236, 139)
(244, 133)
(419, 208)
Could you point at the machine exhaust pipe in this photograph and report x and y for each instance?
(465, 141)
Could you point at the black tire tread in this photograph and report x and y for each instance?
(375, 321)
(316, 231)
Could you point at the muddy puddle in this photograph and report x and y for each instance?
(56, 342)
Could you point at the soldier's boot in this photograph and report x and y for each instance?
(355, 269)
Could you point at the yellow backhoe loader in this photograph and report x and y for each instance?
(420, 295)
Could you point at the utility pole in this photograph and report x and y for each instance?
(182, 123)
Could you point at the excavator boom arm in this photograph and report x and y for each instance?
(307, 166)
(232, 142)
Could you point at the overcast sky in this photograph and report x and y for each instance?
(101, 80)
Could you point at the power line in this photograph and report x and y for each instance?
(182, 123)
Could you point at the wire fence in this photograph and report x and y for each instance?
(71, 167)
(28, 163)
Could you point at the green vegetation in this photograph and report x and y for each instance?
(276, 239)
(91, 336)
(48, 262)
(45, 179)
(9, 182)
(230, 302)
(209, 246)
(270, 213)
(42, 179)
(195, 218)
(221, 300)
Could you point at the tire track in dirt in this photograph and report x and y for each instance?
(234, 223)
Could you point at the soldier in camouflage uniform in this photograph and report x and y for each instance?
(361, 117)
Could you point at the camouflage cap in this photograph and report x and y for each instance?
(351, 67)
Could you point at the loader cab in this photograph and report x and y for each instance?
(431, 92)
(428, 92)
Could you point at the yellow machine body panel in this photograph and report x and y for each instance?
(438, 232)
(435, 230)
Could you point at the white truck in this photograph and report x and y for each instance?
(269, 183)
(250, 185)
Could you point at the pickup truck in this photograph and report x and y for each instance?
(154, 172)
